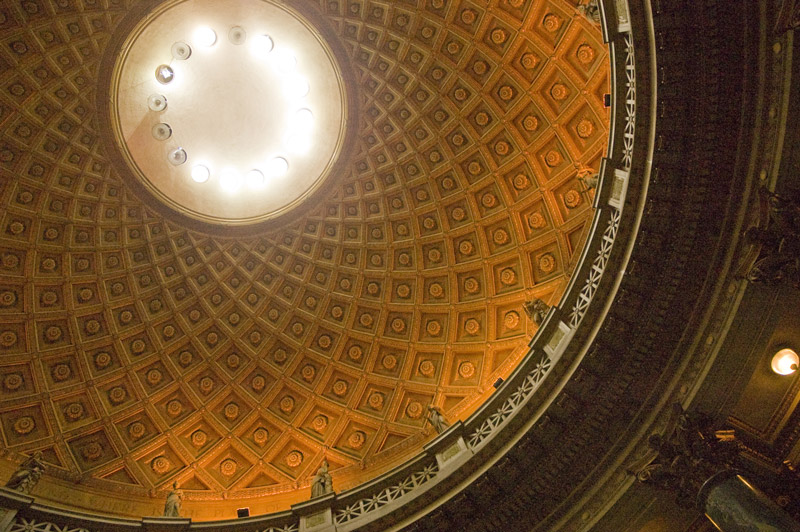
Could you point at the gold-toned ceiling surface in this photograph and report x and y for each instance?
(135, 351)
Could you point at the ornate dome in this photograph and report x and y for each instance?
(138, 347)
(141, 345)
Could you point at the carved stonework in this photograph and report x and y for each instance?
(689, 456)
(172, 506)
(779, 260)
(28, 474)
(536, 310)
(322, 484)
(591, 11)
(436, 419)
(589, 181)
(788, 16)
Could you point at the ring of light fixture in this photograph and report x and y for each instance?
(230, 112)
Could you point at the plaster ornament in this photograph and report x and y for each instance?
(260, 436)
(294, 459)
(231, 411)
(228, 467)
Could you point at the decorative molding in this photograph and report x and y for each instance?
(515, 401)
(22, 524)
(597, 270)
(386, 496)
(630, 101)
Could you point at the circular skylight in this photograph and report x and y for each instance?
(254, 119)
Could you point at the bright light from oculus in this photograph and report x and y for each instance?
(297, 87)
(200, 174)
(785, 362)
(178, 157)
(205, 36)
(165, 74)
(286, 62)
(263, 44)
(230, 180)
(304, 119)
(298, 142)
(255, 179)
(298, 139)
(278, 167)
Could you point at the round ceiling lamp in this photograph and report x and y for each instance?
(200, 173)
(165, 74)
(157, 102)
(263, 45)
(240, 118)
(181, 50)
(205, 36)
(785, 361)
(255, 179)
(237, 35)
(162, 131)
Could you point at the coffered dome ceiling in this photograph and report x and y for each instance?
(137, 348)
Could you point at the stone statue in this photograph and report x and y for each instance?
(692, 452)
(779, 242)
(536, 310)
(591, 11)
(172, 506)
(323, 482)
(28, 474)
(436, 419)
(589, 181)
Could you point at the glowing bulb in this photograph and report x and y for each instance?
(785, 362)
(297, 87)
(263, 44)
(298, 143)
(278, 166)
(200, 174)
(164, 74)
(255, 179)
(205, 36)
(304, 119)
(286, 62)
(230, 181)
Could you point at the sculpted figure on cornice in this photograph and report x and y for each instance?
(436, 419)
(788, 16)
(589, 181)
(779, 260)
(172, 506)
(28, 474)
(323, 482)
(689, 456)
(536, 310)
(591, 11)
